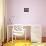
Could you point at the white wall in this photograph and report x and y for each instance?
(37, 12)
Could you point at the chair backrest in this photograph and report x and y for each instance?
(18, 30)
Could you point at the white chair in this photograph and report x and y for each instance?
(17, 31)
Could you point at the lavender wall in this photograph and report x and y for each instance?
(37, 14)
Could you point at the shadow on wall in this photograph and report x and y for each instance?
(5, 34)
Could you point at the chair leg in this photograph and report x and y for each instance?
(15, 38)
(12, 37)
(25, 36)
